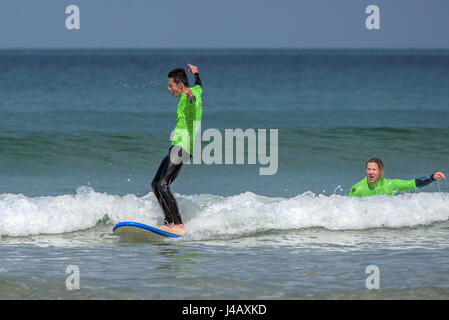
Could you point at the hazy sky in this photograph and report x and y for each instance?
(224, 24)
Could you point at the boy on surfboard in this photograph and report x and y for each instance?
(189, 112)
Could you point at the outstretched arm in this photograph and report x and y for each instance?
(424, 181)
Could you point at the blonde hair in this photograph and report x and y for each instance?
(379, 163)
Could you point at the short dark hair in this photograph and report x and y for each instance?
(179, 75)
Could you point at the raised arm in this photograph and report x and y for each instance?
(194, 69)
(198, 80)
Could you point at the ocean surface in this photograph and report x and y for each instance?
(82, 133)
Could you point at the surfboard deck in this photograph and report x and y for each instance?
(136, 231)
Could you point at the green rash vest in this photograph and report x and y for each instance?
(187, 113)
(382, 186)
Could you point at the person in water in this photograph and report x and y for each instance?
(181, 149)
(375, 184)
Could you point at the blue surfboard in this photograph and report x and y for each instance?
(135, 231)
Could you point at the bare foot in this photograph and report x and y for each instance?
(176, 228)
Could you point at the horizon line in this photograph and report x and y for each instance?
(225, 48)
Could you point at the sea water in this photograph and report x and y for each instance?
(82, 133)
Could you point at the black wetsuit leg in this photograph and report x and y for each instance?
(165, 175)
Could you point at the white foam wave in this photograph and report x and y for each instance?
(23, 216)
(208, 216)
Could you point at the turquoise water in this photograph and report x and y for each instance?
(82, 134)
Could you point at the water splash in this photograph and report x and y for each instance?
(209, 216)
(129, 84)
